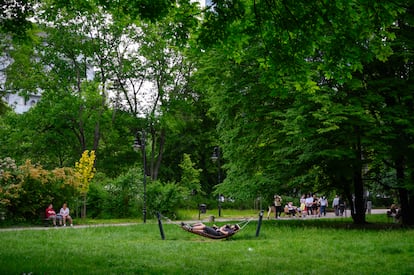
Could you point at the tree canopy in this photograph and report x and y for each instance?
(301, 97)
(288, 82)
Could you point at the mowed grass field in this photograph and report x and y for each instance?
(288, 246)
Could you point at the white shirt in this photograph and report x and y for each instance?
(309, 201)
(64, 212)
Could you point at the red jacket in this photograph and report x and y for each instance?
(50, 212)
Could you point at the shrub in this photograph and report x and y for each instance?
(123, 195)
(164, 198)
(27, 190)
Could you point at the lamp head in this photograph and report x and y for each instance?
(216, 154)
(136, 145)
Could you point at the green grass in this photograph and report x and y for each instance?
(325, 246)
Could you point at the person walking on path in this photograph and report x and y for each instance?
(309, 204)
(335, 205)
(278, 206)
(323, 202)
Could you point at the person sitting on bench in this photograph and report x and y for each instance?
(213, 230)
(64, 213)
(394, 212)
(50, 214)
(291, 210)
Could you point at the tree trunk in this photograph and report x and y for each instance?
(402, 192)
(160, 154)
(359, 214)
(410, 209)
(84, 207)
(404, 208)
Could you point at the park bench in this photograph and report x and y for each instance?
(286, 212)
(48, 221)
(289, 213)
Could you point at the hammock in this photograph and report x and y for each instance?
(215, 237)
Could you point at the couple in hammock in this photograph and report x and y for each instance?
(225, 230)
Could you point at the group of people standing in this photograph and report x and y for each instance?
(310, 205)
(61, 217)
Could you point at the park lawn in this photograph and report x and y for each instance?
(325, 246)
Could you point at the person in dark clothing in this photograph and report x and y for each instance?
(341, 206)
(212, 230)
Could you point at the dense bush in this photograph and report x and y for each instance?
(120, 197)
(165, 198)
(97, 200)
(25, 191)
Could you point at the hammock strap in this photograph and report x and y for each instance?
(244, 223)
(164, 217)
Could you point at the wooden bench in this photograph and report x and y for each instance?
(272, 209)
(289, 213)
(48, 221)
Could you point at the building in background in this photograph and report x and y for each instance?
(20, 104)
(204, 3)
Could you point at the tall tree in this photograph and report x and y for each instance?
(153, 73)
(393, 85)
(288, 69)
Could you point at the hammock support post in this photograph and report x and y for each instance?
(259, 224)
(160, 226)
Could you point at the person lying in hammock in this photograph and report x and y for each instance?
(213, 230)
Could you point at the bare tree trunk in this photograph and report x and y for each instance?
(160, 154)
(402, 192)
(359, 214)
(410, 210)
(84, 207)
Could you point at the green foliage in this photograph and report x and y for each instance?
(14, 17)
(165, 198)
(98, 198)
(288, 84)
(73, 114)
(24, 75)
(123, 196)
(190, 177)
(305, 96)
(28, 189)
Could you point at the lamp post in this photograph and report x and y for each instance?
(216, 158)
(140, 144)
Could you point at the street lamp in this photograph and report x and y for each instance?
(216, 158)
(140, 144)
